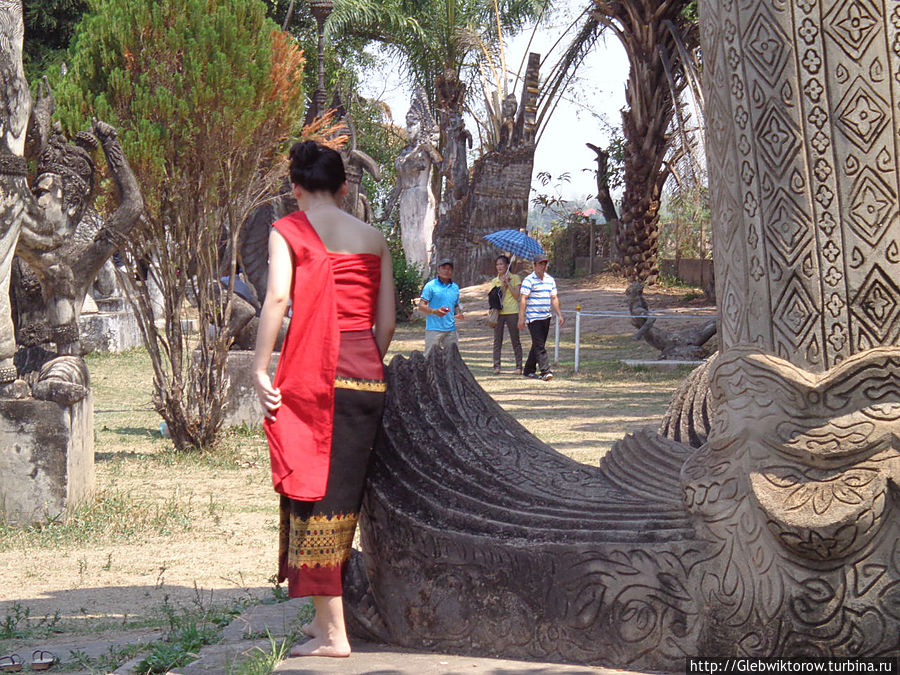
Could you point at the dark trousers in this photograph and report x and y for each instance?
(539, 330)
(511, 321)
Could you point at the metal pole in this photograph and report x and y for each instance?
(556, 348)
(577, 336)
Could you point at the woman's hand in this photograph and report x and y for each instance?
(269, 396)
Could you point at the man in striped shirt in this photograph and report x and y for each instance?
(538, 297)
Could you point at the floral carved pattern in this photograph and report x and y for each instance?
(853, 24)
(862, 114)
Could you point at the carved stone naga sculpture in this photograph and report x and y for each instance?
(39, 223)
(779, 535)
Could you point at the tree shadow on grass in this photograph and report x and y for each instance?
(134, 431)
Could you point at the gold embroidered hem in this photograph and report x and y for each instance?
(360, 385)
(321, 541)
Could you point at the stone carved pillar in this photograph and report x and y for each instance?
(802, 133)
(800, 476)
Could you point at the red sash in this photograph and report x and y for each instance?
(300, 436)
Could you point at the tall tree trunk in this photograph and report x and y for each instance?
(641, 27)
(638, 233)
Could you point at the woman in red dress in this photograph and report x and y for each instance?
(324, 406)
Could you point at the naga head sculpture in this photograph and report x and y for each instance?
(816, 465)
(65, 178)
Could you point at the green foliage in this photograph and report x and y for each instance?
(408, 277)
(189, 630)
(49, 26)
(107, 662)
(205, 94)
(686, 231)
(380, 140)
(179, 79)
(690, 11)
(263, 661)
(431, 36)
(19, 624)
(615, 170)
(111, 515)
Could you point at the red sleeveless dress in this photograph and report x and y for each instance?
(332, 385)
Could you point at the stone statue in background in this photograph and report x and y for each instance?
(356, 162)
(14, 192)
(494, 194)
(508, 122)
(456, 141)
(65, 260)
(413, 189)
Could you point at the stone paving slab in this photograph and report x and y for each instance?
(248, 631)
(248, 634)
(374, 659)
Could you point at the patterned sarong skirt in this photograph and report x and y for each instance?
(315, 537)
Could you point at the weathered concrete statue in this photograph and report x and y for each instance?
(14, 191)
(413, 189)
(494, 194)
(65, 259)
(46, 440)
(780, 534)
(39, 224)
(508, 122)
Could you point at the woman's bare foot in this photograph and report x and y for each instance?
(310, 629)
(322, 647)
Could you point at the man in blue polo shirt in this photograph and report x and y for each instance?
(537, 297)
(440, 305)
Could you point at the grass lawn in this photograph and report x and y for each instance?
(176, 544)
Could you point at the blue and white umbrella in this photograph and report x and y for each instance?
(517, 243)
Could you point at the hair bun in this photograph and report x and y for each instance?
(316, 167)
(305, 153)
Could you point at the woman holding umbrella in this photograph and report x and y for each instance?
(517, 242)
(509, 313)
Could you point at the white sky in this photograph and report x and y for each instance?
(591, 104)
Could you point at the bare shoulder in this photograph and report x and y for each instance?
(370, 238)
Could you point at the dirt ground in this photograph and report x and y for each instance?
(169, 532)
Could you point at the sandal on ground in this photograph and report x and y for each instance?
(11, 663)
(41, 659)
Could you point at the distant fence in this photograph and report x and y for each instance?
(694, 271)
(619, 315)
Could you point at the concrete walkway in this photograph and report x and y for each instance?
(246, 637)
(378, 659)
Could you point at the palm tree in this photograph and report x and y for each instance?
(648, 31)
(436, 41)
(432, 37)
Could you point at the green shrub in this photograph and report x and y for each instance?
(408, 277)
